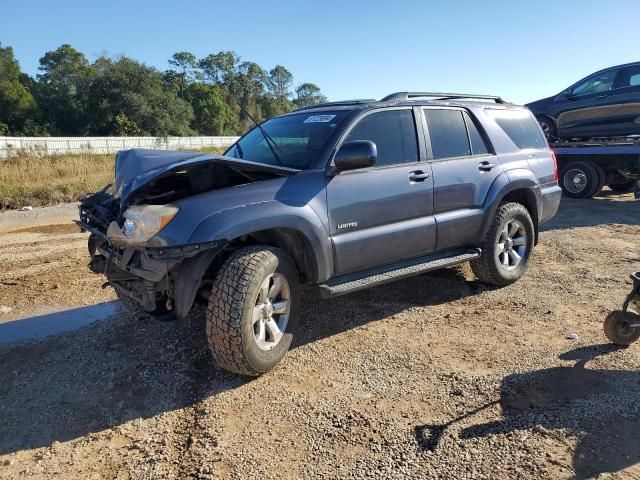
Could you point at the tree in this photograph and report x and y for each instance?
(128, 96)
(248, 86)
(280, 81)
(212, 114)
(63, 88)
(219, 68)
(186, 63)
(16, 101)
(308, 94)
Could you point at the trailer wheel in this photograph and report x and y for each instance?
(602, 178)
(623, 187)
(579, 180)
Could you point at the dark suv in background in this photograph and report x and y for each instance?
(604, 104)
(338, 197)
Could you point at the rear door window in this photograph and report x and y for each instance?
(520, 126)
(393, 132)
(478, 145)
(448, 133)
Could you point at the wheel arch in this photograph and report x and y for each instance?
(518, 186)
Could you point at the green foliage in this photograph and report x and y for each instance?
(136, 91)
(62, 90)
(120, 96)
(308, 94)
(213, 115)
(16, 101)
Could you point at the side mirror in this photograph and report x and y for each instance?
(356, 154)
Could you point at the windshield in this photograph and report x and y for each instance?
(297, 139)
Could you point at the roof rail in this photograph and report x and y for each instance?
(439, 96)
(359, 101)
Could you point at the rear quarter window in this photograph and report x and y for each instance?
(520, 126)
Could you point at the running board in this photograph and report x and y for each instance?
(353, 282)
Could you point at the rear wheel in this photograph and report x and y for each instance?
(579, 180)
(252, 310)
(602, 178)
(507, 248)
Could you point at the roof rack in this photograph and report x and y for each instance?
(439, 96)
(359, 101)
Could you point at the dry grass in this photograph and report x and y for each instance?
(38, 181)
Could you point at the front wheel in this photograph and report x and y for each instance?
(252, 310)
(507, 247)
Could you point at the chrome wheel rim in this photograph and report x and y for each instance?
(575, 180)
(271, 311)
(512, 245)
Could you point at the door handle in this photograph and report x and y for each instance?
(486, 166)
(418, 176)
(601, 96)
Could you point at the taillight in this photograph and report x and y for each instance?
(555, 166)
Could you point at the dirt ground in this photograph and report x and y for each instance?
(436, 376)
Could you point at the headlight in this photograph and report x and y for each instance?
(143, 221)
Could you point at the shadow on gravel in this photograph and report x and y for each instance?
(325, 318)
(101, 376)
(600, 407)
(595, 211)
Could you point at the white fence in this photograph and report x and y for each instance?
(59, 145)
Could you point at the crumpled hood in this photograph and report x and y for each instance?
(137, 167)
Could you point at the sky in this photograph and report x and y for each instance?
(520, 50)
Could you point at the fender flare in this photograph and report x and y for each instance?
(272, 216)
(507, 183)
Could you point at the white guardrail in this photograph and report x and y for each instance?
(59, 145)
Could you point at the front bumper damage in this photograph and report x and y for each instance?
(163, 280)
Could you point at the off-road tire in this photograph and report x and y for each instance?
(617, 331)
(487, 268)
(229, 313)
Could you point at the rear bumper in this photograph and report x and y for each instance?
(551, 195)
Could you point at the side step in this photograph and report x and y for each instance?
(353, 282)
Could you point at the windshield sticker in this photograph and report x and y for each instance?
(319, 118)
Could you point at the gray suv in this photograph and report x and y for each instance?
(338, 197)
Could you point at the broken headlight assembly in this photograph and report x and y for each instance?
(141, 223)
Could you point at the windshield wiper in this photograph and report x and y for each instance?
(267, 138)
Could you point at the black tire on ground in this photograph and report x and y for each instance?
(617, 329)
(233, 332)
(548, 127)
(602, 178)
(623, 187)
(490, 268)
(579, 180)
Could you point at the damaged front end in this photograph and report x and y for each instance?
(124, 220)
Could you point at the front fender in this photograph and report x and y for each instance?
(509, 182)
(237, 222)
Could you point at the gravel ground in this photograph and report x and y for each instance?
(436, 376)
